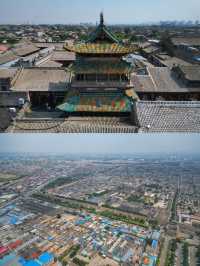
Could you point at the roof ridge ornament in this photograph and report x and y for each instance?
(101, 19)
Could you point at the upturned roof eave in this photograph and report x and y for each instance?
(102, 29)
(77, 50)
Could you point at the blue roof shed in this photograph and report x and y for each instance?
(45, 258)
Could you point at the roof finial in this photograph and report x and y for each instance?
(101, 18)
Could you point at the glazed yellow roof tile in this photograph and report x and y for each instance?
(100, 48)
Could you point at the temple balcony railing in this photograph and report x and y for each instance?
(101, 84)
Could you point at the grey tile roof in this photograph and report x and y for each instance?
(193, 41)
(25, 50)
(170, 61)
(154, 117)
(42, 79)
(62, 56)
(8, 57)
(143, 83)
(72, 125)
(191, 73)
(50, 63)
(7, 72)
(160, 79)
(169, 116)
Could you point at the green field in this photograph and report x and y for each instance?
(77, 204)
(4, 177)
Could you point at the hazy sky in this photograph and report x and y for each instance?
(97, 143)
(116, 11)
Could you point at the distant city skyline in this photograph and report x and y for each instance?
(87, 11)
(100, 143)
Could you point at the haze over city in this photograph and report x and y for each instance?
(78, 11)
(100, 143)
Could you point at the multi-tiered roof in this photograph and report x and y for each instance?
(99, 65)
(101, 41)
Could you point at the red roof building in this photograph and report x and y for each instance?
(3, 48)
